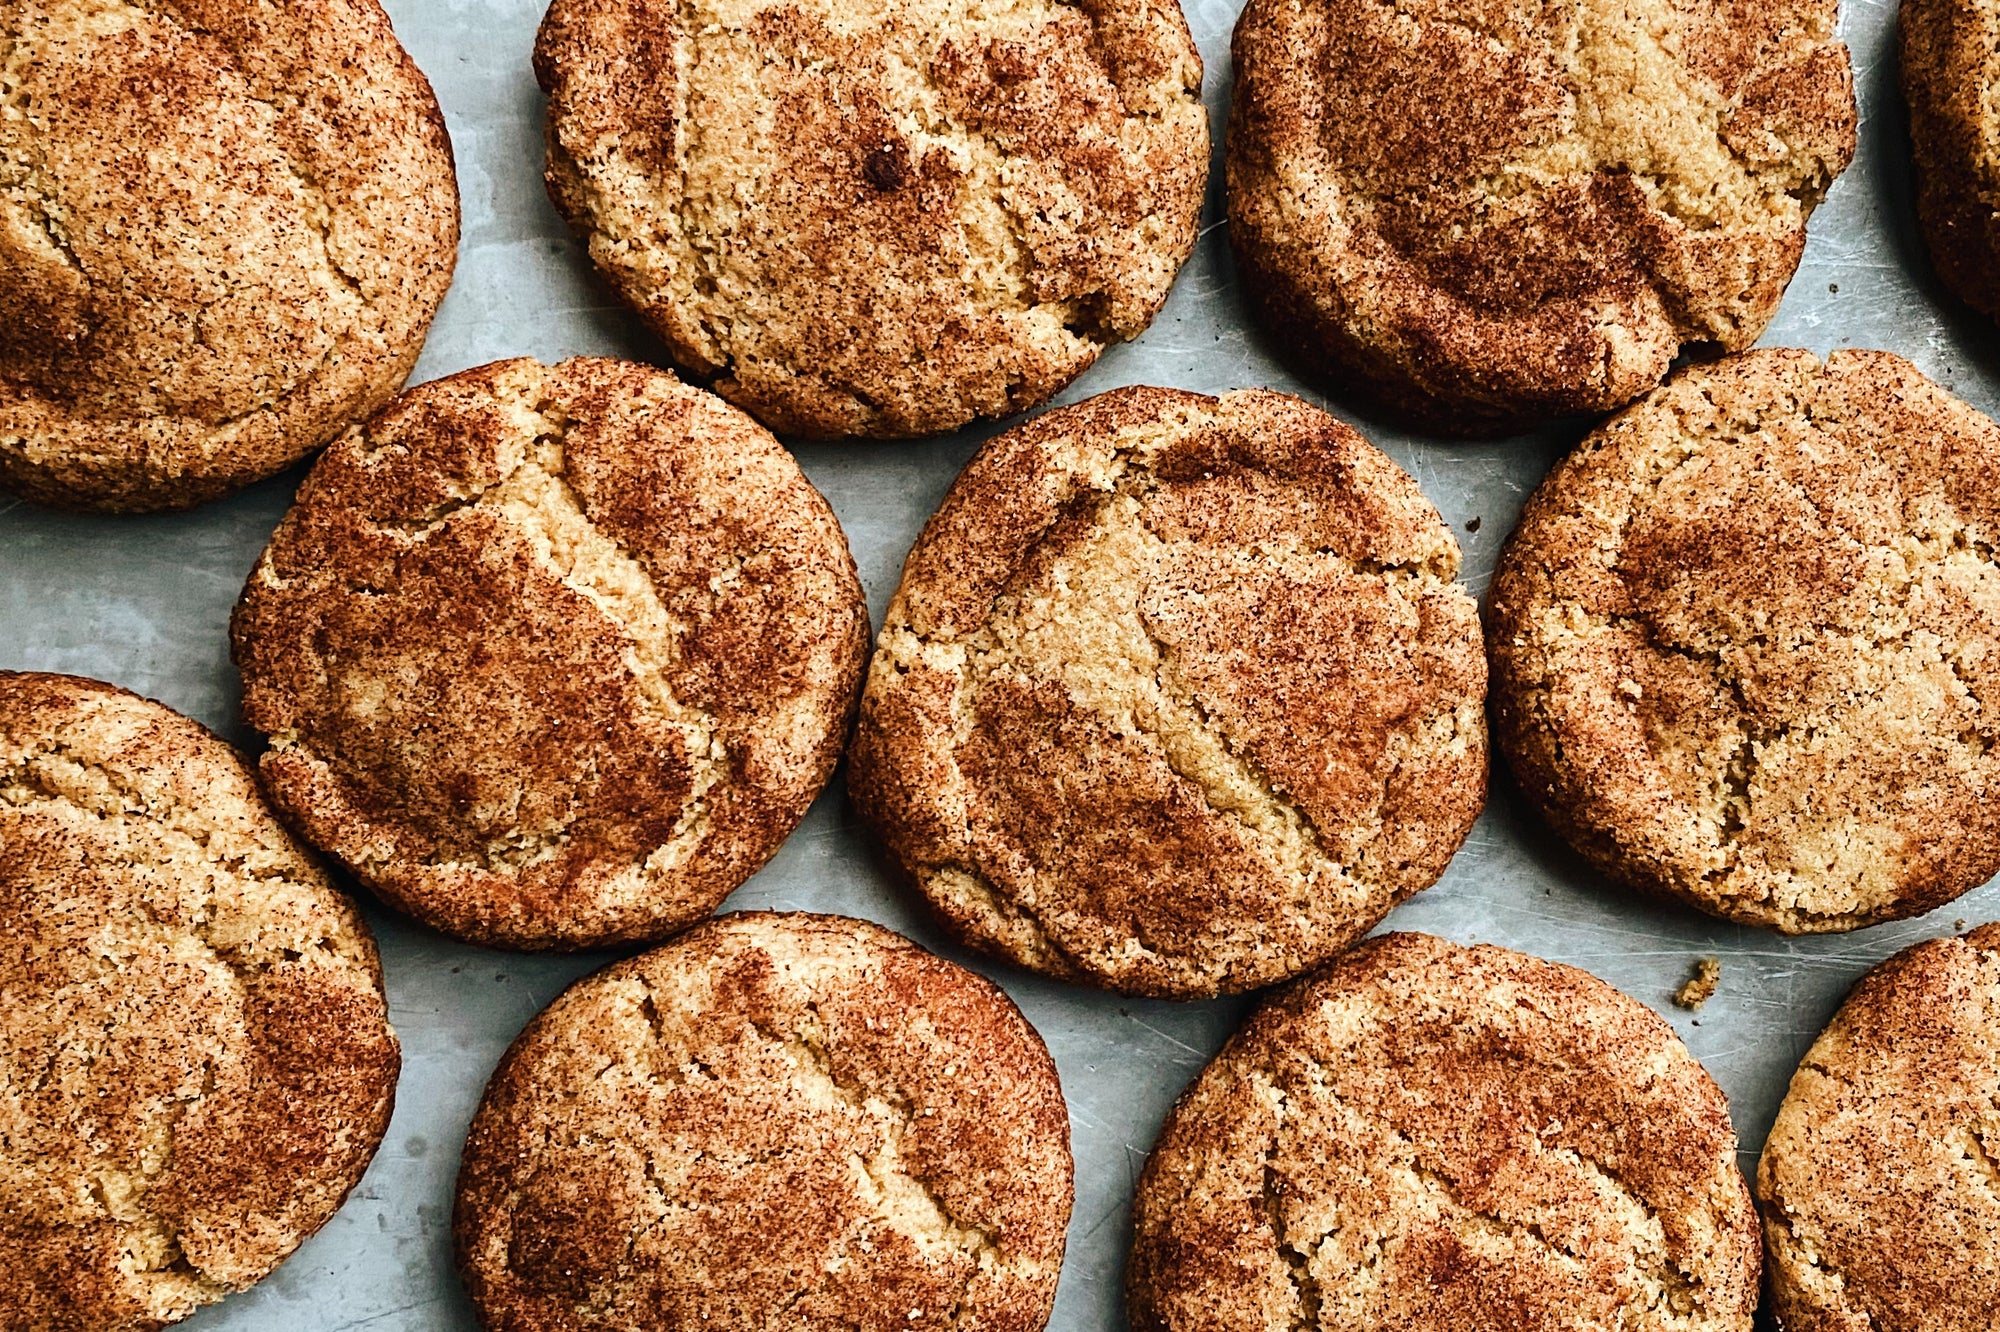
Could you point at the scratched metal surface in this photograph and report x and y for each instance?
(143, 603)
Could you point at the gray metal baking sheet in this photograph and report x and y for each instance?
(143, 602)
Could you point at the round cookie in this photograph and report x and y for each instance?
(1745, 640)
(553, 657)
(776, 1120)
(1479, 216)
(1430, 1138)
(1951, 68)
(224, 229)
(1878, 1180)
(1177, 696)
(885, 223)
(195, 1056)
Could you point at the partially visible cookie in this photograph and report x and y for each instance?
(883, 221)
(1430, 1138)
(553, 657)
(1746, 643)
(224, 229)
(1178, 695)
(195, 1056)
(1880, 1182)
(1951, 69)
(1477, 217)
(787, 1121)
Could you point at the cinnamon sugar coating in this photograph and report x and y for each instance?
(879, 221)
(1431, 1138)
(1746, 642)
(1479, 214)
(1178, 695)
(224, 229)
(1879, 1183)
(553, 657)
(789, 1121)
(195, 1056)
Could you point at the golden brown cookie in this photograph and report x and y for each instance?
(787, 1121)
(1178, 695)
(1880, 1182)
(1746, 643)
(883, 221)
(553, 657)
(224, 229)
(1951, 72)
(1430, 1138)
(195, 1056)
(1478, 214)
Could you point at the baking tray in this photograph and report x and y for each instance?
(144, 603)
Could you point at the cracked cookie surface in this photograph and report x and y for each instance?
(1880, 1182)
(886, 220)
(1434, 1138)
(553, 657)
(224, 229)
(195, 1056)
(1951, 75)
(1178, 695)
(776, 1120)
(1744, 640)
(1484, 213)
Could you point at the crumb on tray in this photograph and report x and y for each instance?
(1700, 987)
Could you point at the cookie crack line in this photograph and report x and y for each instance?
(695, 230)
(39, 200)
(1807, 193)
(1775, 1212)
(708, 752)
(138, 1215)
(983, 1245)
(1306, 1292)
(1020, 253)
(246, 973)
(1661, 1267)
(318, 213)
(689, 135)
(1186, 702)
(271, 98)
(21, 775)
(1010, 908)
(813, 1057)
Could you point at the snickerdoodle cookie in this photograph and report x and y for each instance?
(1746, 642)
(1178, 695)
(1430, 1138)
(195, 1056)
(1951, 75)
(881, 221)
(1480, 215)
(224, 229)
(553, 657)
(775, 1121)
(1880, 1182)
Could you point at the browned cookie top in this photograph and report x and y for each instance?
(1746, 642)
(553, 657)
(1177, 695)
(195, 1056)
(1951, 72)
(775, 1121)
(1881, 1179)
(884, 220)
(224, 228)
(1429, 1138)
(1485, 212)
